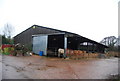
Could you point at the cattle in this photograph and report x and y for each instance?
(60, 52)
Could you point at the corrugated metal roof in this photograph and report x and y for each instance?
(59, 31)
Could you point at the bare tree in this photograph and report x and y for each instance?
(109, 41)
(8, 30)
(118, 41)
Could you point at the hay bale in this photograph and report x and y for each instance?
(71, 52)
(75, 51)
(96, 55)
(81, 55)
(67, 51)
(89, 55)
(84, 51)
(85, 55)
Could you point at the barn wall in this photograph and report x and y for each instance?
(25, 37)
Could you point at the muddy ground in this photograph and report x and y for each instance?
(0, 67)
(37, 67)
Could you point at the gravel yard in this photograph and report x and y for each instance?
(37, 67)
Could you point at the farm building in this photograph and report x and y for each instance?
(49, 40)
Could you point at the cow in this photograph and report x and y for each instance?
(60, 52)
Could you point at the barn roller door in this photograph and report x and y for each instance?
(40, 44)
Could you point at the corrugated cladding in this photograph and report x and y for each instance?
(25, 37)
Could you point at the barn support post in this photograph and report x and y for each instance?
(87, 47)
(93, 47)
(65, 46)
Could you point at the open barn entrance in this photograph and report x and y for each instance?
(54, 43)
(72, 43)
(80, 43)
(84, 44)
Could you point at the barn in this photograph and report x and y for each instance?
(49, 40)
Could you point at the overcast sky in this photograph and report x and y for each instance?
(94, 19)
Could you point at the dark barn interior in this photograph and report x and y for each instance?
(74, 42)
(81, 43)
(54, 43)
